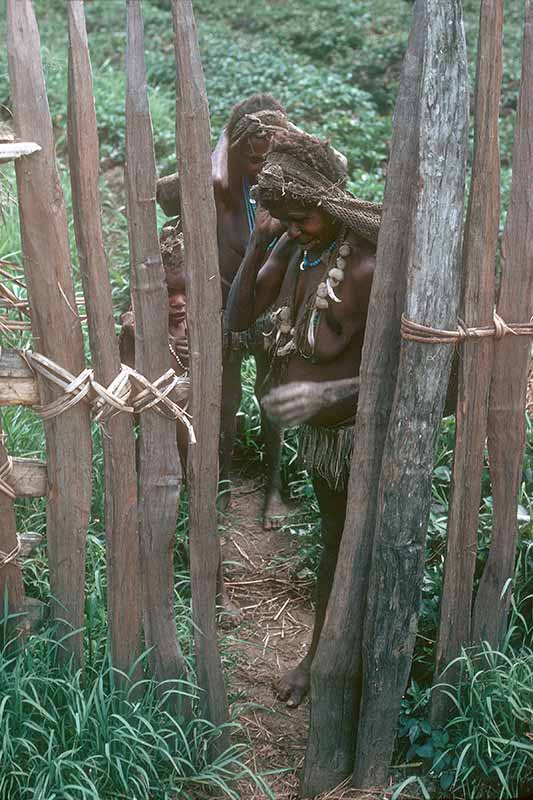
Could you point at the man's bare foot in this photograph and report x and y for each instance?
(229, 613)
(294, 686)
(275, 510)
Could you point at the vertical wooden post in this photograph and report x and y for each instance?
(122, 541)
(159, 467)
(506, 424)
(10, 574)
(404, 494)
(205, 347)
(55, 324)
(336, 669)
(475, 363)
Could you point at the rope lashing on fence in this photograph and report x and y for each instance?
(415, 332)
(5, 470)
(130, 392)
(7, 558)
(5, 487)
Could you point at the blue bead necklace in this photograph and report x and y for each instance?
(307, 263)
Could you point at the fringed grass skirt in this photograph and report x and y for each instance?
(327, 452)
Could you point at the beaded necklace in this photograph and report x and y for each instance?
(307, 264)
(249, 205)
(178, 359)
(333, 277)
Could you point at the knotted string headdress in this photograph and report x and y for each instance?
(259, 125)
(286, 177)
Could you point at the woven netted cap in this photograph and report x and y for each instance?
(171, 244)
(288, 177)
(260, 124)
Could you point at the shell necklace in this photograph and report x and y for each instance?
(324, 293)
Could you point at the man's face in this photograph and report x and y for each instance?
(252, 154)
(311, 227)
(176, 297)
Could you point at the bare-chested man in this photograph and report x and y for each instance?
(236, 162)
(319, 277)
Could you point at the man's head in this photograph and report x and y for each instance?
(303, 182)
(250, 129)
(171, 242)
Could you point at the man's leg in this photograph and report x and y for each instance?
(274, 509)
(231, 400)
(332, 504)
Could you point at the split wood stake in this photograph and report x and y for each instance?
(122, 542)
(479, 261)
(57, 330)
(506, 424)
(204, 304)
(336, 669)
(404, 494)
(159, 467)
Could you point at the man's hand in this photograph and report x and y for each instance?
(295, 403)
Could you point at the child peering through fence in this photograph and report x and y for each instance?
(171, 241)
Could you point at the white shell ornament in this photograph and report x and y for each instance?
(341, 263)
(321, 302)
(336, 274)
(344, 250)
(285, 314)
(285, 327)
(331, 293)
(322, 290)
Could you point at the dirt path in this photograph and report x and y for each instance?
(272, 639)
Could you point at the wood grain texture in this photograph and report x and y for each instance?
(55, 324)
(29, 477)
(475, 362)
(18, 384)
(124, 594)
(404, 494)
(336, 670)
(506, 423)
(204, 302)
(159, 468)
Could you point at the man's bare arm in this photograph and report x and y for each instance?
(295, 403)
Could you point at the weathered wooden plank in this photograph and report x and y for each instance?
(159, 467)
(9, 151)
(18, 392)
(55, 324)
(204, 302)
(475, 362)
(10, 574)
(29, 477)
(404, 494)
(124, 595)
(336, 669)
(506, 424)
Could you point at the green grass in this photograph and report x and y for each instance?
(68, 737)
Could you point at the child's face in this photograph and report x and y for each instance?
(176, 298)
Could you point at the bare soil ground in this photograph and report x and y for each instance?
(262, 571)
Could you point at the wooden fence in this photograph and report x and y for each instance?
(365, 652)
(140, 505)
